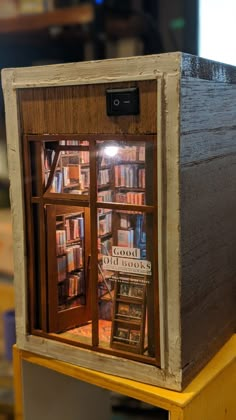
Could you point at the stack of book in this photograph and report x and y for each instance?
(74, 228)
(71, 174)
(132, 153)
(105, 196)
(130, 176)
(76, 284)
(74, 255)
(57, 183)
(60, 241)
(61, 268)
(125, 238)
(130, 197)
(103, 177)
(105, 224)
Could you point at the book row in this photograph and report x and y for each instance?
(127, 336)
(129, 311)
(105, 196)
(74, 286)
(74, 228)
(74, 231)
(130, 176)
(130, 232)
(79, 157)
(104, 176)
(74, 255)
(60, 241)
(130, 289)
(130, 197)
(105, 224)
(131, 153)
(71, 261)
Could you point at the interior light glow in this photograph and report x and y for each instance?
(111, 151)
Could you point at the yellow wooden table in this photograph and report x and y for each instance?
(6, 375)
(211, 395)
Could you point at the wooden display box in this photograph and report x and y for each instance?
(123, 208)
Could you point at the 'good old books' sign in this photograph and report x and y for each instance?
(126, 260)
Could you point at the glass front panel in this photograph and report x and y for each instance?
(125, 279)
(125, 270)
(125, 172)
(70, 260)
(71, 171)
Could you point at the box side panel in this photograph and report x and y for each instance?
(82, 109)
(208, 237)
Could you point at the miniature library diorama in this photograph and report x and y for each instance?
(123, 202)
(116, 227)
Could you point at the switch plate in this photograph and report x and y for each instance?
(122, 101)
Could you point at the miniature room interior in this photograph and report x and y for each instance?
(120, 272)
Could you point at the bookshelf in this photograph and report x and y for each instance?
(70, 260)
(68, 266)
(129, 314)
(67, 171)
(81, 14)
(121, 180)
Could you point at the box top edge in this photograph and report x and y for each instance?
(203, 68)
(151, 57)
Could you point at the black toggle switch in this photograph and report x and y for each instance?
(122, 101)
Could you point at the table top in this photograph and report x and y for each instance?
(6, 302)
(160, 397)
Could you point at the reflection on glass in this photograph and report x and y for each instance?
(124, 279)
(70, 260)
(122, 172)
(71, 173)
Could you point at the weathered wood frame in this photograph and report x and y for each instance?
(166, 70)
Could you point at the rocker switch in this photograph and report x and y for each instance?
(122, 101)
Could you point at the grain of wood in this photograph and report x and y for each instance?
(82, 109)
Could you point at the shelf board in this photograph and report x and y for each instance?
(71, 185)
(105, 236)
(71, 298)
(104, 186)
(129, 299)
(59, 17)
(73, 241)
(130, 189)
(130, 162)
(135, 322)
